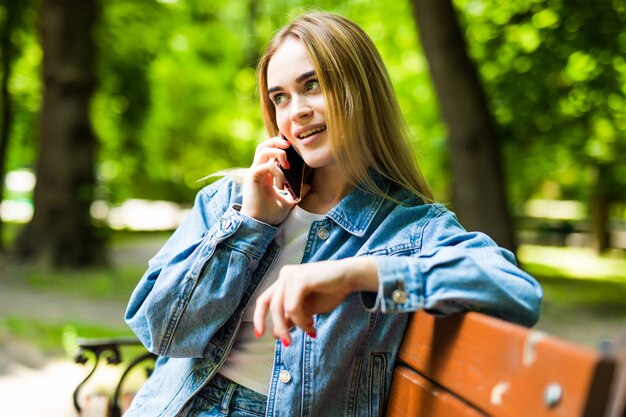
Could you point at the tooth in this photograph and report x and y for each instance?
(310, 132)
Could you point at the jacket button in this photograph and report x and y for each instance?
(284, 376)
(322, 233)
(225, 224)
(399, 296)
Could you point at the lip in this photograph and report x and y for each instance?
(298, 132)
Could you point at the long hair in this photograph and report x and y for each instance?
(365, 125)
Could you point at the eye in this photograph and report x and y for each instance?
(279, 99)
(312, 85)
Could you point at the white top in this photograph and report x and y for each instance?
(251, 360)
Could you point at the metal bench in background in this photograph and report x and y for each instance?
(112, 351)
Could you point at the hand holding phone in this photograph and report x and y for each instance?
(261, 197)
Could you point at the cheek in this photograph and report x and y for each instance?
(320, 105)
(282, 121)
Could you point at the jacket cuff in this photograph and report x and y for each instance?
(244, 233)
(401, 286)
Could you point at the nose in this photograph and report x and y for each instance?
(300, 108)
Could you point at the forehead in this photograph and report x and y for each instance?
(290, 60)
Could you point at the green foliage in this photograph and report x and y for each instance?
(555, 72)
(177, 101)
(24, 85)
(176, 97)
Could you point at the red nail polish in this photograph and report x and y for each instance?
(312, 335)
(257, 333)
(285, 342)
(287, 166)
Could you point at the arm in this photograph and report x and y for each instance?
(196, 280)
(195, 283)
(454, 271)
(458, 271)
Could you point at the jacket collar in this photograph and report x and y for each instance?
(357, 210)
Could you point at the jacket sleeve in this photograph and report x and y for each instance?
(457, 271)
(195, 282)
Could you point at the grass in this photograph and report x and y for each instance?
(115, 284)
(112, 284)
(56, 338)
(576, 263)
(575, 278)
(584, 294)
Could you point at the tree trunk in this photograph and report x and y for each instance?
(252, 53)
(599, 211)
(61, 229)
(478, 190)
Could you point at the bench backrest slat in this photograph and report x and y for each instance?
(506, 370)
(413, 395)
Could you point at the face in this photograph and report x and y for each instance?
(295, 91)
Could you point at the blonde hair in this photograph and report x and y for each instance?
(365, 125)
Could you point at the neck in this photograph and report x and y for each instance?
(328, 187)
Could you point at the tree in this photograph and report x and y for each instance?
(13, 12)
(61, 229)
(555, 72)
(478, 192)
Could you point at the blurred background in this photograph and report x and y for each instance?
(113, 112)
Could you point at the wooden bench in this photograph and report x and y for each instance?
(472, 365)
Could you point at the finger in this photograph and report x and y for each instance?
(259, 177)
(265, 171)
(280, 323)
(274, 142)
(279, 177)
(260, 312)
(269, 175)
(265, 154)
(295, 304)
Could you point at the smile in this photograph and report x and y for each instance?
(310, 132)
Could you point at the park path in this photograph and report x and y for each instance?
(31, 383)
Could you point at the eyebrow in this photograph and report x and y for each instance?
(299, 79)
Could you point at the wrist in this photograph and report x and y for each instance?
(363, 274)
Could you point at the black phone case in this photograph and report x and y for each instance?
(295, 175)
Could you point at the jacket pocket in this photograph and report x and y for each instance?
(377, 383)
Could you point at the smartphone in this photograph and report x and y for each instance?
(296, 175)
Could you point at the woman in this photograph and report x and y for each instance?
(259, 305)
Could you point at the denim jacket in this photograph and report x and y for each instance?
(189, 305)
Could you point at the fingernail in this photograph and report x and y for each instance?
(312, 335)
(257, 333)
(285, 342)
(287, 166)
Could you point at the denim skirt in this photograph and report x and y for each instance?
(222, 397)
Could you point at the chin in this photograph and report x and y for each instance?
(319, 162)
